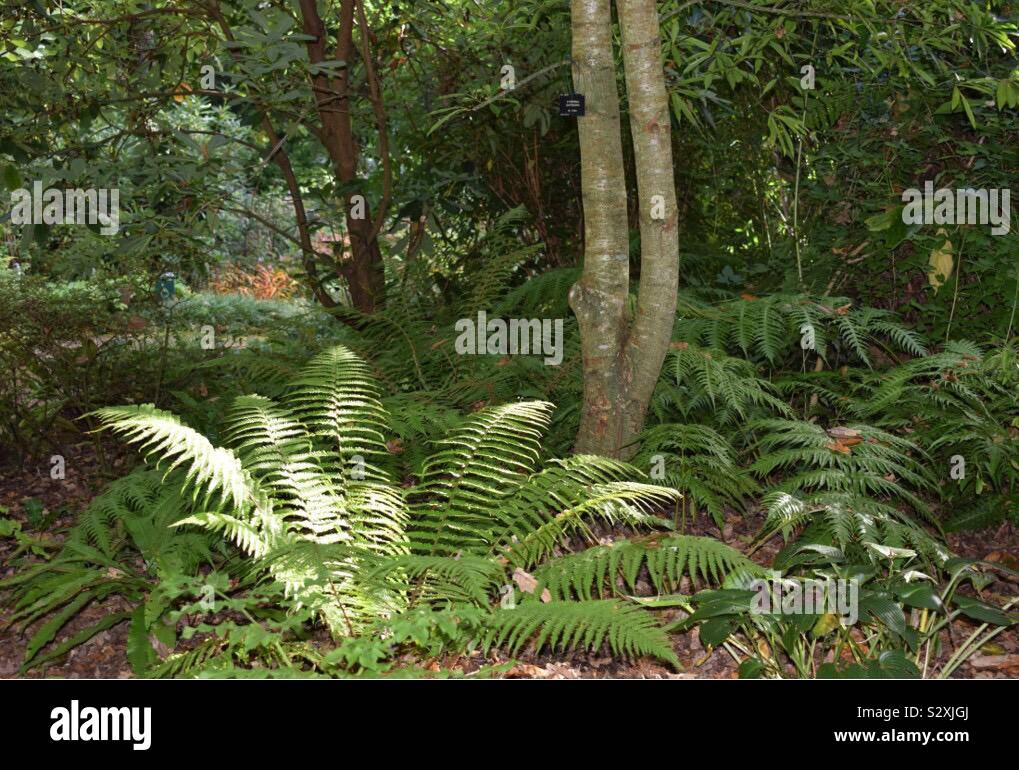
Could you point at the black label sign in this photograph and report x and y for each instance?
(571, 105)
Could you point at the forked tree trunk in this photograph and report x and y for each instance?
(622, 355)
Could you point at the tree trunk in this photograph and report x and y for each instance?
(309, 258)
(651, 129)
(363, 270)
(622, 356)
(599, 298)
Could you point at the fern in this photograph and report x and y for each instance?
(700, 463)
(843, 528)
(625, 628)
(274, 495)
(211, 471)
(139, 510)
(541, 296)
(464, 578)
(712, 386)
(771, 328)
(302, 485)
(336, 396)
(857, 458)
(667, 558)
(960, 403)
(479, 465)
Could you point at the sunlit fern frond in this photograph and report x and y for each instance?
(337, 398)
(619, 503)
(278, 451)
(214, 474)
(478, 465)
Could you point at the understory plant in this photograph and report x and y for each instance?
(296, 522)
(865, 621)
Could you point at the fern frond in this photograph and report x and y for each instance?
(700, 463)
(667, 559)
(335, 395)
(625, 628)
(463, 578)
(481, 463)
(621, 502)
(213, 472)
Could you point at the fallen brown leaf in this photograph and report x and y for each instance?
(525, 581)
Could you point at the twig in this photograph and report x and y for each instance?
(375, 97)
(525, 81)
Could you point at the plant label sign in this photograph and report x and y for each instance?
(571, 105)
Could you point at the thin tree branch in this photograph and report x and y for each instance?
(379, 108)
(525, 81)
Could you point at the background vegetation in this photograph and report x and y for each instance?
(322, 486)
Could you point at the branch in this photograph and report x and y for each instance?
(239, 209)
(525, 81)
(375, 96)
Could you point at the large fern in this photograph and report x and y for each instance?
(286, 491)
(302, 484)
(771, 328)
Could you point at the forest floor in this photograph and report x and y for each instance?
(30, 494)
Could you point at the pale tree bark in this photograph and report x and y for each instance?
(623, 355)
(599, 297)
(651, 129)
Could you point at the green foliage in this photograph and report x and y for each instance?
(962, 405)
(846, 483)
(666, 559)
(890, 664)
(700, 463)
(627, 630)
(714, 386)
(854, 458)
(759, 617)
(136, 514)
(773, 328)
(395, 490)
(326, 534)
